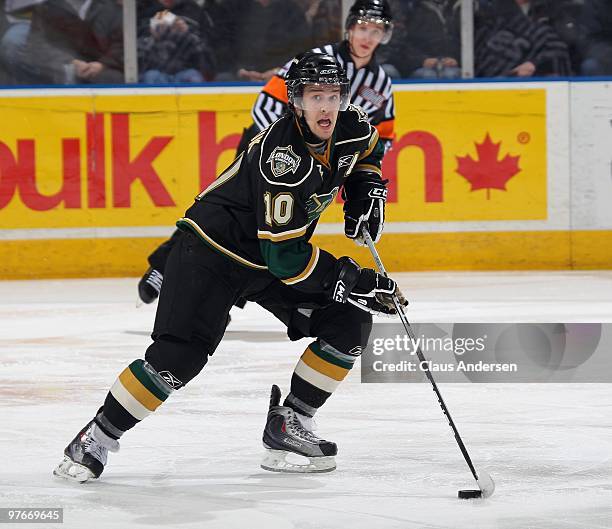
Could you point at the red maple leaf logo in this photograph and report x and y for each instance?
(487, 172)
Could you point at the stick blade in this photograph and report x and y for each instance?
(486, 484)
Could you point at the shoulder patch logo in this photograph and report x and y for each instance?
(283, 160)
(317, 204)
(348, 161)
(345, 161)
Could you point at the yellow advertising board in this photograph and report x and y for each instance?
(458, 157)
(106, 160)
(124, 159)
(138, 160)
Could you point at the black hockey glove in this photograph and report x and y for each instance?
(365, 288)
(364, 206)
(149, 285)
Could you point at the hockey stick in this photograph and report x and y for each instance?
(485, 482)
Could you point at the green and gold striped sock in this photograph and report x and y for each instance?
(317, 374)
(138, 391)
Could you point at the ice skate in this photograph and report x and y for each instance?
(290, 444)
(86, 455)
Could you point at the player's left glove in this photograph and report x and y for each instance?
(365, 288)
(365, 195)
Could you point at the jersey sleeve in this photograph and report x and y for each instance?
(271, 102)
(283, 230)
(370, 160)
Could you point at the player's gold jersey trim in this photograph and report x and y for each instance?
(368, 167)
(224, 177)
(371, 144)
(217, 246)
(312, 264)
(283, 236)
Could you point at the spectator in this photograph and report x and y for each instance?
(3, 27)
(75, 41)
(429, 46)
(392, 53)
(3, 19)
(511, 41)
(564, 18)
(597, 20)
(323, 18)
(170, 46)
(255, 36)
(15, 16)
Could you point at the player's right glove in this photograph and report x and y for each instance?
(365, 288)
(365, 195)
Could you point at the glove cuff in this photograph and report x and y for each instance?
(347, 276)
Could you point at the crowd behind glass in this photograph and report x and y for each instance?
(65, 42)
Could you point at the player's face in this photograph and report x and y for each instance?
(321, 105)
(364, 38)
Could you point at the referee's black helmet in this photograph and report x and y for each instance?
(374, 11)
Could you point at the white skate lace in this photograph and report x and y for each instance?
(95, 449)
(296, 429)
(97, 444)
(309, 423)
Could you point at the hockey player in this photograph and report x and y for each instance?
(368, 24)
(247, 235)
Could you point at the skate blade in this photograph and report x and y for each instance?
(72, 471)
(276, 461)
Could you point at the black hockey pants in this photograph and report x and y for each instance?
(201, 285)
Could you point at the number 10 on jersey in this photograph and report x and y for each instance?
(279, 209)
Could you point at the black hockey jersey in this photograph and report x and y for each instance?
(262, 210)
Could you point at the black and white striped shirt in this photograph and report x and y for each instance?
(370, 86)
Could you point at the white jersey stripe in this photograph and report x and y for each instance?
(379, 79)
(367, 106)
(389, 109)
(258, 116)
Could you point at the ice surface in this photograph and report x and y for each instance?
(195, 462)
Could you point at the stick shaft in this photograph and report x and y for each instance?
(421, 356)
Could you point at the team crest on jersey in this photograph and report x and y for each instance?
(283, 160)
(317, 204)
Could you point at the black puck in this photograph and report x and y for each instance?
(467, 494)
